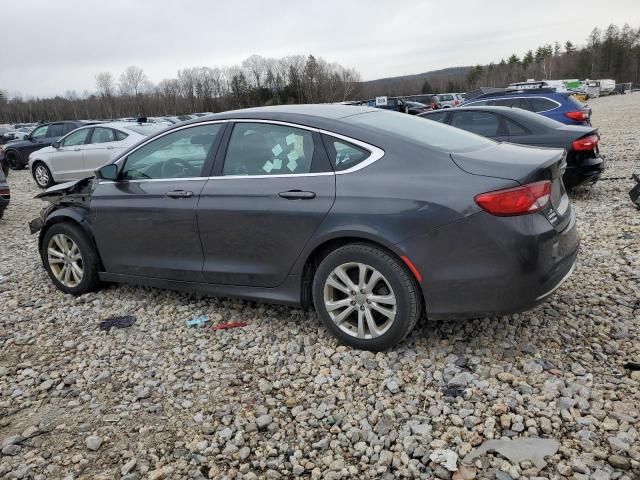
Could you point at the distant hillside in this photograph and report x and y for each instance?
(440, 80)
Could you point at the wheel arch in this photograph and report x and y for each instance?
(324, 247)
(17, 153)
(75, 215)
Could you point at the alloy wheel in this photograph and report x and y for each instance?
(360, 300)
(42, 175)
(65, 260)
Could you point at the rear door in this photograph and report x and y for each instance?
(66, 161)
(99, 149)
(270, 190)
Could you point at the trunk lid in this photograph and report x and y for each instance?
(524, 165)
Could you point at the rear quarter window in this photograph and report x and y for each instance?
(542, 104)
(344, 155)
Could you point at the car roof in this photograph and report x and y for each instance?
(292, 112)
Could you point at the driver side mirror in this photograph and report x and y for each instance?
(108, 172)
(56, 144)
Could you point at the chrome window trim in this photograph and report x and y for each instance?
(376, 153)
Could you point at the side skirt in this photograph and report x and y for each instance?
(286, 294)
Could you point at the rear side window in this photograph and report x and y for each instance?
(446, 98)
(69, 127)
(102, 135)
(120, 135)
(482, 123)
(430, 134)
(268, 149)
(505, 102)
(542, 104)
(56, 130)
(344, 155)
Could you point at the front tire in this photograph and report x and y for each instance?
(42, 175)
(366, 297)
(70, 259)
(14, 160)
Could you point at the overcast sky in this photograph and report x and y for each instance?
(51, 47)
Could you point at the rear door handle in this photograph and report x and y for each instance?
(297, 195)
(179, 194)
(110, 147)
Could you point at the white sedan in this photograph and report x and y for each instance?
(78, 154)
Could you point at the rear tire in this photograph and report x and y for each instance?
(42, 175)
(70, 259)
(375, 305)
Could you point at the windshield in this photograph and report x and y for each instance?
(146, 129)
(431, 134)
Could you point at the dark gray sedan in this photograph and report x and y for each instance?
(375, 217)
(515, 125)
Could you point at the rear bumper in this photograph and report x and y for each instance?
(586, 172)
(487, 266)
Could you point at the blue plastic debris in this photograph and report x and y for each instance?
(197, 321)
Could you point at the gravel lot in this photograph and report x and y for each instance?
(281, 399)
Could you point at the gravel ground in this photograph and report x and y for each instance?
(280, 398)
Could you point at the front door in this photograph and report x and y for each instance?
(270, 192)
(66, 160)
(146, 221)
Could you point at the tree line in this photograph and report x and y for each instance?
(612, 53)
(256, 81)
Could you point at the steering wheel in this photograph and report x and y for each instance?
(178, 167)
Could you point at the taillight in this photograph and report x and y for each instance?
(5, 193)
(529, 198)
(579, 116)
(456, 102)
(434, 106)
(586, 143)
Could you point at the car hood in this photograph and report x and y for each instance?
(62, 189)
(17, 144)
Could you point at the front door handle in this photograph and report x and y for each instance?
(297, 195)
(76, 149)
(110, 147)
(179, 194)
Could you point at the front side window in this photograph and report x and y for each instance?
(179, 154)
(78, 137)
(344, 155)
(102, 135)
(435, 135)
(56, 130)
(268, 149)
(40, 132)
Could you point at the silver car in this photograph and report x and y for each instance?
(76, 155)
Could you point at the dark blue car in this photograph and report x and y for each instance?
(559, 106)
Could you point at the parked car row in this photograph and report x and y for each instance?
(14, 132)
